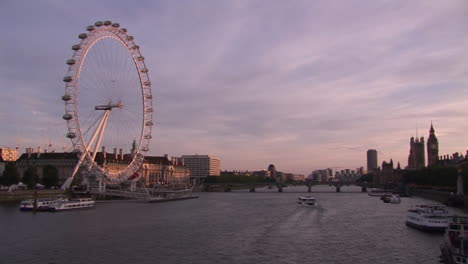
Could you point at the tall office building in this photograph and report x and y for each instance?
(371, 160)
(202, 166)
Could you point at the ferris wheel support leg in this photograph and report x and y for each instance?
(101, 133)
(102, 185)
(68, 182)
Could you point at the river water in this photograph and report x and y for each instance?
(236, 227)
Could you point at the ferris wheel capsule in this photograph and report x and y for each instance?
(67, 117)
(107, 23)
(76, 47)
(82, 36)
(98, 23)
(71, 135)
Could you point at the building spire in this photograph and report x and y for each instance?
(432, 128)
(133, 151)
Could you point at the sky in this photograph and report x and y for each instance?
(303, 85)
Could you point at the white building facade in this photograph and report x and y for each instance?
(202, 166)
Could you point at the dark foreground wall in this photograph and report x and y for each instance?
(438, 196)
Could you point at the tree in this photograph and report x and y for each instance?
(30, 177)
(432, 176)
(10, 175)
(50, 176)
(369, 177)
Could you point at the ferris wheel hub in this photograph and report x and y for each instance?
(109, 106)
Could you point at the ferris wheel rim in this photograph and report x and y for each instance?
(104, 30)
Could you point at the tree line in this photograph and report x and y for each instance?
(30, 177)
(443, 177)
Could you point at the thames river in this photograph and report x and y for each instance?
(236, 227)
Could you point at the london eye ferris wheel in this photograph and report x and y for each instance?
(108, 100)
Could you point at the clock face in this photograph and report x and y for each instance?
(433, 146)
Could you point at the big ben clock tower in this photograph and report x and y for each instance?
(432, 148)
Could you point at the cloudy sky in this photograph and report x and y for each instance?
(300, 84)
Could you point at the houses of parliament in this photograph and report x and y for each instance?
(417, 158)
(387, 174)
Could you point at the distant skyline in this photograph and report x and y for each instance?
(303, 85)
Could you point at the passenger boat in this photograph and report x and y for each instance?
(428, 217)
(81, 203)
(306, 200)
(41, 204)
(454, 248)
(391, 198)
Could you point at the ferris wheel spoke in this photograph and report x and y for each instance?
(96, 120)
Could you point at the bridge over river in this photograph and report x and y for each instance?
(273, 187)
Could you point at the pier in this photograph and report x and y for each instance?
(145, 195)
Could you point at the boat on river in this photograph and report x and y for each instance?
(454, 248)
(74, 204)
(306, 200)
(391, 198)
(428, 217)
(41, 204)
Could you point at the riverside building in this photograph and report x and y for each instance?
(371, 160)
(155, 170)
(64, 162)
(202, 166)
(8, 154)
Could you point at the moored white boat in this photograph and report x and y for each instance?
(306, 200)
(454, 248)
(41, 204)
(391, 198)
(431, 217)
(81, 203)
